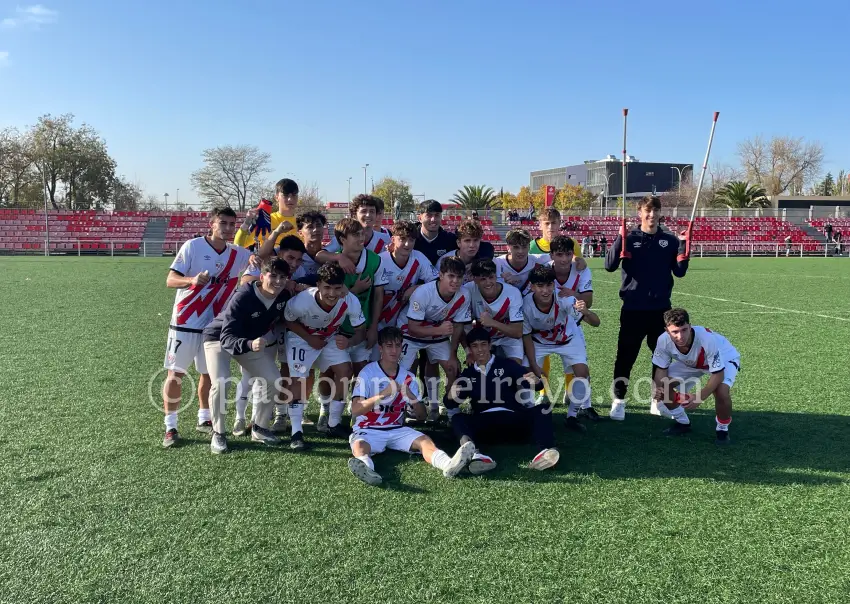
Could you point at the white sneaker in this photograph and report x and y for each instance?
(659, 409)
(545, 459)
(364, 472)
(460, 460)
(481, 463)
(618, 411)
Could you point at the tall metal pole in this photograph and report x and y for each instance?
(624, 253)
(46, 220)
(364, 178)
(349, 189)
(178, 198)
(166, 201)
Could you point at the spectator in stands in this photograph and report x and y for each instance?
(827, 230)
(837, 239)
(586, 250)
(603, 245)
(787, 246)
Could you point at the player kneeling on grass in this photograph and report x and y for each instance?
(500, 393)
(244, 331)
(382, 395)
(550, 326)
(683, 354)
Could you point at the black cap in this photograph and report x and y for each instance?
(477, 334)
(430, 205)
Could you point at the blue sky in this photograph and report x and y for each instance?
(441, 93)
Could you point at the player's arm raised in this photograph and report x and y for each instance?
(344, 263)
(361, 405)
(511, 330)
(178, 281)
(589, 317)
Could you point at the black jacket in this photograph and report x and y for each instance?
(245, 318)
(444, 243)
(648, 275)
(499, 389)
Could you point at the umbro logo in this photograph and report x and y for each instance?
(207, 257)
(441, 252)
(255, 315)
(637, 243)
(314, 316)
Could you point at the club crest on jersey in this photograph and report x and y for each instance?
(280, 305)
(499, 372)
(299, 368)
(662, 242)
(441, 252)
(219, 266)
(415, 306)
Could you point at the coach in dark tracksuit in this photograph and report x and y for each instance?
(654, 258)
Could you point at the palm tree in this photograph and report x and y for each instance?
(738, 194)
(476, 197)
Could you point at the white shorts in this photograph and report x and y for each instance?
(184, 348)
(690, 376)
(572, 353)
(300, 356)
(511, 348)
(395, 439)
(437, 351)
(361, 354)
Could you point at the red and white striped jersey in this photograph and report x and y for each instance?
(578, 281)
(397, 280)
(427, 306)
(556, 326)
(503, 267)
(709, 351)
(506, 308)
(304, 308)
(195, 306)
(377, 243)
(389, 412)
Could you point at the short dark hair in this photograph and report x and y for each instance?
(541, 275)
(483, 267)
(469, 228)
(431, 206)
(477, 334)
(310, 217)
(404, 228)
(390, 333)
(331, 273)
(292, 242)
(550, 214)
(453, 265)
(652, 201)
(345, 227)
(275, 265)
(365, 200)
(518, 237)
(677, 317)
(222, 211)
(287, 186)
(562, 244)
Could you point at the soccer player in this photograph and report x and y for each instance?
(433, 240)
(205, 273)
(290, 249)
(382, 395)
(402, 270)
(313, 321)
(311, 229)
(569, 279)
(550, 227)
(550, 327)
(245, 332)
(434, 321)
(363, 209)
(683, 354)
(286, 196)
(515, 266)
(469, 235)
(497, 307)
(378, 226)
(499, 391)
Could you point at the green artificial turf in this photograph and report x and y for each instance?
(92, 508)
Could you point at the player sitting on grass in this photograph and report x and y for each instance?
(383, 394)
(205, 273)
(550, 326)
(683, 354)
(313, 320)
(499, 391)
(246, 332)
(515, 266)
(497, 307)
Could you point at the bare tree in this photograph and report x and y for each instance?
(230, 175)
(16, 166)
(309, 197)
(781, 164)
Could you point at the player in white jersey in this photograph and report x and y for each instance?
(683, 354)
(434, 321)
(569, 280)
(469, 235)
(205, 273)
(363, 209)
(313, 320)
(383, 394)
(497, 307)
(550, 326)
(515, 266)
(402, 270)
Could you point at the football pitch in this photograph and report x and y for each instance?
(94, 510)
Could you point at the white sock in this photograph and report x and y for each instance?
(241, 407)
(335, 413)
(367, 460)
(432, 388)
(580, 388)
(204, 415)
(243, 388)
(170, 421)
(280, 409)
(324, 405)
(679, 415)
(721, 427)
(619, 401)
(450, 413)
(440, 459)
(296, 414)
(662, 408)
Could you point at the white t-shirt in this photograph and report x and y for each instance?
(195, 306)
(503, 267)
(506, 308)
(709, 351)
(427, 306)
(389, 412)
(377, 243)
(305, 309)
(555, 327)
(397, 280)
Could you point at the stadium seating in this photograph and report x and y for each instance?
(23, 231)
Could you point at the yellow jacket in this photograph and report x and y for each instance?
(246, 238)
